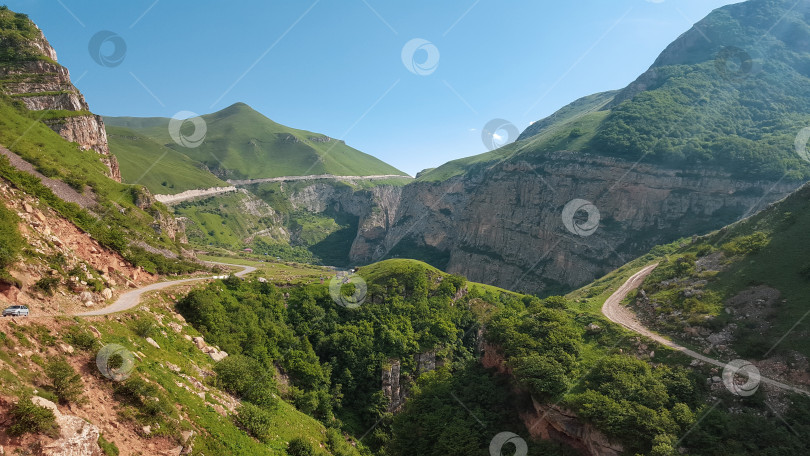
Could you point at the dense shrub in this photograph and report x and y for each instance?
(254, 420)
(107, 447)
(80, 338)
(65, 381)
(47, 285)
(11, 242)
(248, 379)
(27, 417)
(745, 245)
(300, 447)
(146, 397)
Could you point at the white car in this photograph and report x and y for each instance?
(16, 311)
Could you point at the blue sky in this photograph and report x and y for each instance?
(336, 66)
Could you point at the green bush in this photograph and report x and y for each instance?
(254, 420)
(80, 338)
(11, 242)
(144, 396)
(47, 285)
(745, 245)
(27, 417)
(107, 447)
(66, 382)
(300, 447)
(248, 379)
(144, 327)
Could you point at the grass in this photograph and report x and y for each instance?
(160, 169)
(570, 133)
(277, 272)
(223, 220)
(778, 264)
(244, 144)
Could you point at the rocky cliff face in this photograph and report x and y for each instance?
(503, 225)
(43, 84)
(396, 385)
(552, 422)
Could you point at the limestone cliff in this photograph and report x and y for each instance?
(396, 385)
(503, 225)
(40, 83)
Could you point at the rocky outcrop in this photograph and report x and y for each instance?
(396, 385)
(77, 437)
(43, 84)
(503, 225)
(552, 422)
(391, 385)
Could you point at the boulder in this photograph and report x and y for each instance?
(175, 327)
(9, 291)
(95, 331)
(186, 435)
(199, 342)
(107, 293)
(218, 356)
(152, 342)
(86, 296)
(77, 437)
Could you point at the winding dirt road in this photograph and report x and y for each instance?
(131, 299)
(615, 312)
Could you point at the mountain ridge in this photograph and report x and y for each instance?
(241, 143)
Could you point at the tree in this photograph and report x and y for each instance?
(66, 383)
(29, 417)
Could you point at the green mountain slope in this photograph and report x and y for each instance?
(733, 93)
(750, 279)
(241, 143)
(160, 169)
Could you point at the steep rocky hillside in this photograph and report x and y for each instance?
(30, 74)
(741, 292)
(55, 152)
